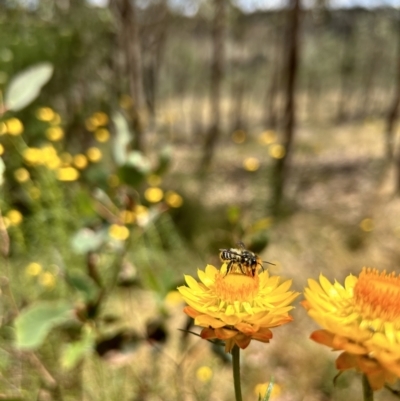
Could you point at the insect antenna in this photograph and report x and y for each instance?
(273, 264)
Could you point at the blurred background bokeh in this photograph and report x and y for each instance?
(139, 137)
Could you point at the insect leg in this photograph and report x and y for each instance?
(229, 267)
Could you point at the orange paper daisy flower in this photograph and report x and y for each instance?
(236, 307)
(362, 318)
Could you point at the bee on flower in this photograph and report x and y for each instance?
(237, 307)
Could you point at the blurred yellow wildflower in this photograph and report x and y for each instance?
(89, 125)
(173, 298)
(173, 199)
(14, 126)
(50, 157)
(153, 194)
(33, 156)
(67, 174)
(154, 180)
(47, 280)
(251, 164)
(267, 137)
(361, 318)
(99, 119)
(118, 232)
(261, 388)
(127, 216)
(54, 133)
(3, 128)
(367, 225)
(277, 151)
(15, 217)
(33, 269)
(80, 161)
(239, 136)
(45, 114)
(56, 120)
(102, 134)
(94, 154)
(236, 307)
(204, 374)
(1, 149)
(21, 174)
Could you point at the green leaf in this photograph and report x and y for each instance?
(135, 169)
(164, 160)
(2, 170)
(25, 87)
(74, 352)
(122, 139)
(35, 322)
(83, 283)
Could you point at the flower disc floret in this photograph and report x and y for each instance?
(235, 307)
(361, 318)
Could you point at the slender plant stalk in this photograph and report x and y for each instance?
(236, 372)
(367, 390)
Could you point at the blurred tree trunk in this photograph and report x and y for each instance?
(156, 33)
(128, 30)
(346, 70)
(238, 96)
(272, 106)
(371, 69)
(393, 111)
(280, 173)
(217, 66)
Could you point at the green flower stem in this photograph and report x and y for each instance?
(236, 372)
(367, 390)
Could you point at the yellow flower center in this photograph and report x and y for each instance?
(378, 295)
(236, 287)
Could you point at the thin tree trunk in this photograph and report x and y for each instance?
(238, 95)
(346, 71)
(393, 112)
(272, 107)
(217, 67)
(125, 12)
(282, 164)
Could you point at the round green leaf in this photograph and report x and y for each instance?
(35, 322)
(25, 87)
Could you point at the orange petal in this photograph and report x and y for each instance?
(242, 341)
(208, 321)
(368, 365)
(263, 335)
(351, 347)
(191, 312)
(346, 361)
(245, 328)
(376, 380)
(208, 333)
(305, 304)
(229, 344)
(323, 337)
(224, 334)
